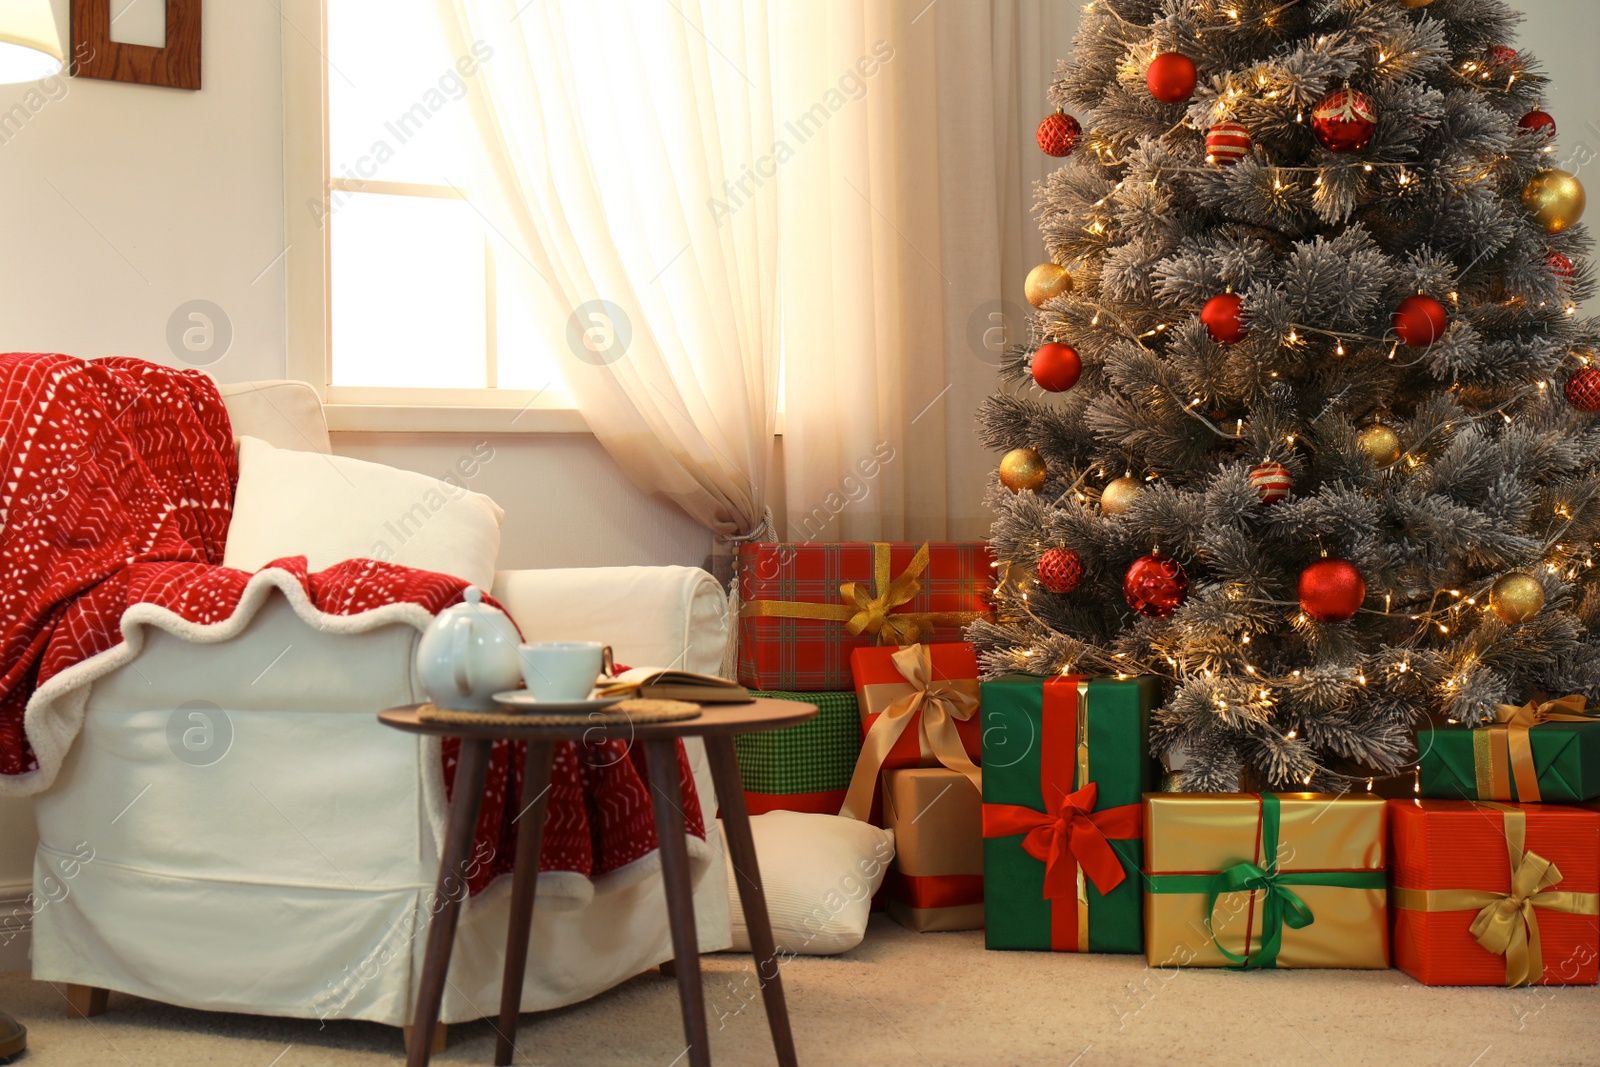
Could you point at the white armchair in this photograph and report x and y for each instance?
(283, 866)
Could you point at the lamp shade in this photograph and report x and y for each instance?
(30, 46)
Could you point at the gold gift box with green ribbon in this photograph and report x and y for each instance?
(1248, 880)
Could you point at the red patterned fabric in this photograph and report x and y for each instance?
(118, 490)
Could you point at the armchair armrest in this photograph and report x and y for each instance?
(650, 616)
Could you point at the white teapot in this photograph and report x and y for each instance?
(468, 654)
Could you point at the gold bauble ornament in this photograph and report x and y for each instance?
(1022, 468)
(1555, 198)
(1516, 597)
(1118, 495)
(1380, 443)
(1416, 3)
(1046, 282)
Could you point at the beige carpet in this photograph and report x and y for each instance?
(921, 1000)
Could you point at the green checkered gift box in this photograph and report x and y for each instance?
(805, 767)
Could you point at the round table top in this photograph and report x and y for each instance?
(762, 713)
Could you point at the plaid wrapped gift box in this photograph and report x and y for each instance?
(805, 767)
(805, 607)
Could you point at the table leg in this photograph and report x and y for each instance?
(742, 850)
(667, 798)
(471, 771)
(524, 880)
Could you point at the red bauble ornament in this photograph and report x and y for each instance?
(1056, 367)
(1561, 266)
(1500, 56)
(1583, 390)
(1271, 482)
(1539, 120)
(1058, 134)
(1171, 77)
(1155, 585)
(1344, 120)
(1420, 320)
(1227, 143)
(1060, 570)
(1221, 318)
(1331, 590)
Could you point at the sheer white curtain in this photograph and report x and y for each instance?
(611, 133)
(906, 233)
(862, 165)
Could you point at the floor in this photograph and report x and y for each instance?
(921, 1000)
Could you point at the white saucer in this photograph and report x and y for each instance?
(522, 700)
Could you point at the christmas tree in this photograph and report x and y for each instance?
(1304, 424)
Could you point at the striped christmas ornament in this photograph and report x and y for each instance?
(1561, 266)
(1227, 143)
(1271, 482)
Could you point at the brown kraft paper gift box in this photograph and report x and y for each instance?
(937, 819)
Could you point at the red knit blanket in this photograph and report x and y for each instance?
(117, 491)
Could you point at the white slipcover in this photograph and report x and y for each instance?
(289, 877)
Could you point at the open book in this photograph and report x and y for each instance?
(655, 683)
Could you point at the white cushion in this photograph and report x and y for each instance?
(333, 508)
(820, 873)
(286, 414)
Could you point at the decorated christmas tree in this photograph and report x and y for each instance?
(1305, 426)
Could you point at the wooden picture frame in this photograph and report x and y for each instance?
(96, 55)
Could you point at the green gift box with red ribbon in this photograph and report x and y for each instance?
(1065, 762)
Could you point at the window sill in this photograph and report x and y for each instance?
(445, 418)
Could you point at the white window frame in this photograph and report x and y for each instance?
(307, 181)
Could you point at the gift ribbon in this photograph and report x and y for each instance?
(936, 705)
(1073, 836)
(936, 890)
(1507, 924)
(871, 611)
(1506, 743)
(1280, 905)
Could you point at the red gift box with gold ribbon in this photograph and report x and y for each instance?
(804, 608)
(919, 708)
(1486, 893)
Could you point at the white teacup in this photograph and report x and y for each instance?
(562, 670)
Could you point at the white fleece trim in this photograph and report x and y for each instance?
(55, 715)
(55, 711)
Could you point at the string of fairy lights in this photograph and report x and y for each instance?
(1351, 129)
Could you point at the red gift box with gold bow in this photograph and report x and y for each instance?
(919, 708)
(1486, 893)
(804, 608)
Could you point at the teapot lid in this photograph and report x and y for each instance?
(472, 595)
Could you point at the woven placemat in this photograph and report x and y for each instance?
(627, 710)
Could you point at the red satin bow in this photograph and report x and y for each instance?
(1075, 832)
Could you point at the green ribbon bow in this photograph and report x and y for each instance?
(1280, 907)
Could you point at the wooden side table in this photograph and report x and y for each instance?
(717, 725)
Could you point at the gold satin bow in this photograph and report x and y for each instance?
(1514, 724)
(937, 705)
(872, 612)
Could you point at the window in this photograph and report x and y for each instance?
(405, 308)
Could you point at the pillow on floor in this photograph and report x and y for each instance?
(332, 508)
(820, 873)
